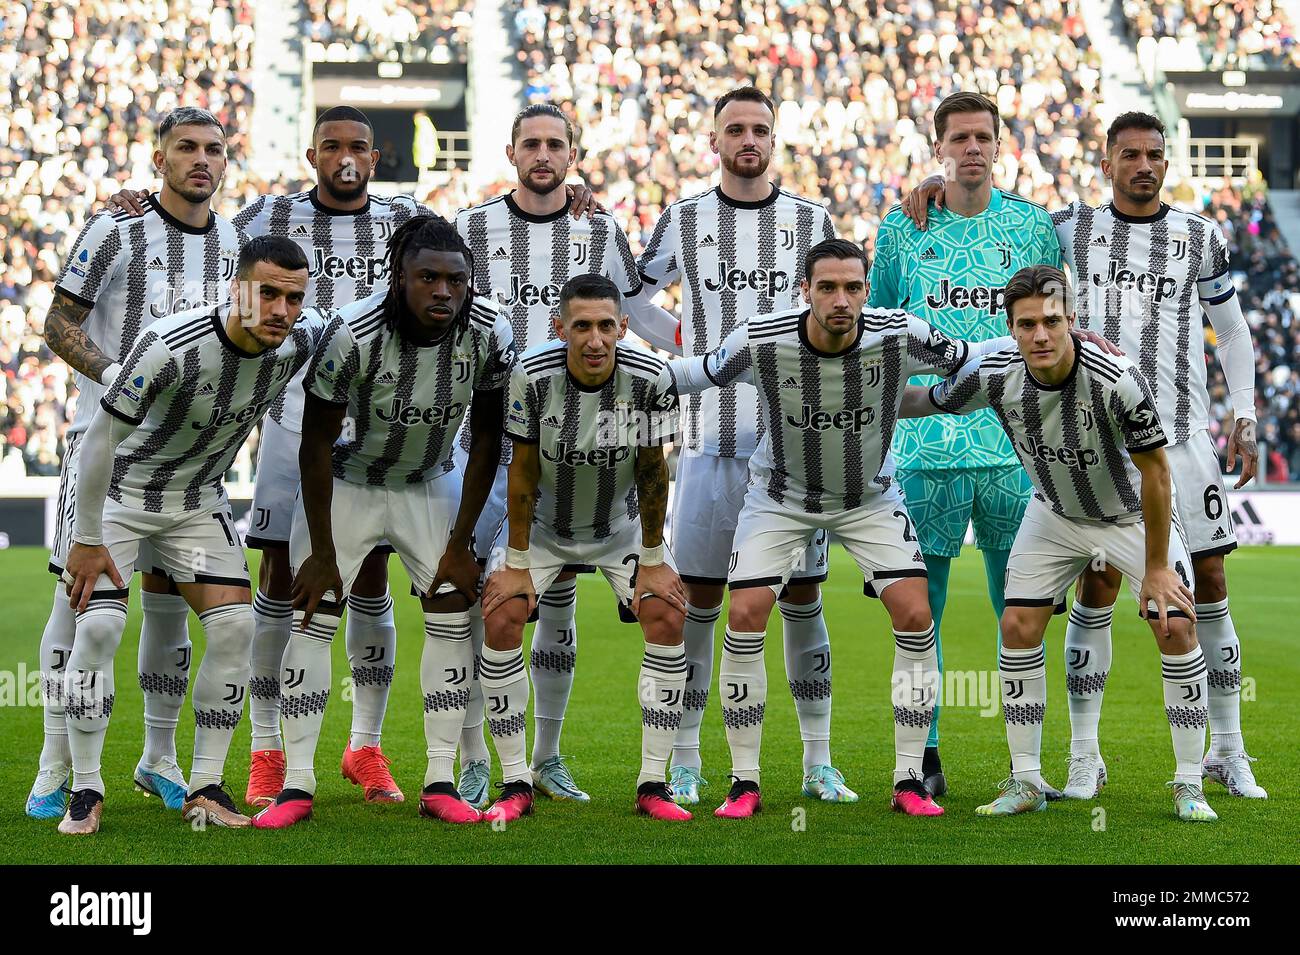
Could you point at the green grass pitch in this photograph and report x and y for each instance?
(1131, 823)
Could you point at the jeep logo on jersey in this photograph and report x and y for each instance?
(407, 414)
(166, 299)
(847, 419)
(566, 453)
(369, 269)
(1159, 287)
(766, 282)
(1078, 459)
(220, 418)
(530, 294)
(948, 295)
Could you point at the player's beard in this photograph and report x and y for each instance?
(345, 191)
(729, 163)
(544, 188)
(1141, 191)
(179, 182)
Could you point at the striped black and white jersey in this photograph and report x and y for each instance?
(1142, 283)
(193, 397)
(1073, 438)
(131, 271)
(588, 437)
(735, 260)
(347, 256)
(828, 418)
(404, 400)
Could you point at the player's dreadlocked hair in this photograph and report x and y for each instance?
(424, 232)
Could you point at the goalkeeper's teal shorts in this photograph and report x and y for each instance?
(943, 503)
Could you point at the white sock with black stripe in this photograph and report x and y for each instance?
(550, 666)
(1187, 710)
(697, 638)
(473, 747)
(742, 681)
(505, 694)
(1024, 701)
(304, 691)
(163, 669)
(272, 625)
(660, 687)
(1222, 651)
(219, 689)
(914, 683)
(56, 649)
(88, 688)
(371, 639)
(808, 671)
(446, 668)
(1087, 664)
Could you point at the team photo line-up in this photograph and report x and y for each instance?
(462, 394)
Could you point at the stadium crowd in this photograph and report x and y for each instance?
(1217, 35)
(854, 83)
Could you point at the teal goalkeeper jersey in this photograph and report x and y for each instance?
(952, 275)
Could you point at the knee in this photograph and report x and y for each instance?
(99, 631)
(704, 596)
(504, 629)
(913, 616)
(1211, 583)
(1098, 588)
(1181, 638)
(802, 595)
(661, 622)
(1019, 632)
(229, 634)
(750, 609)
(274, 575)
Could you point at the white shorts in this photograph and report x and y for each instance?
(707, 498)
(200, 547)
(772, 541)
(65, 518)
(1201, 498)
(415, 518)
(616, 557)
(1051, 551)
(276, 487)
(489, 532)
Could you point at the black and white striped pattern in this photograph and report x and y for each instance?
(347, 256)
(735, 260)
(1142, 282)
(589, 438)
(131, 271)
(742, 644)
(193, 397)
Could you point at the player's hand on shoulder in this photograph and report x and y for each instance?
(128, 200)
(506, 584)
(582, 201)
(459, 568)
(915, 203)
(658, 580)
(1104, 344)
(1163, 587)
(85, 565)
(318, 575)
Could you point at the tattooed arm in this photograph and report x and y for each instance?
(654, 576)
(68, 340)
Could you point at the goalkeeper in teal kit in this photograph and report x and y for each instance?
(955, 470)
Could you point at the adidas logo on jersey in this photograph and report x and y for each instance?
(207, 390)
(551, 422)
(1014, 415)
(300, 232)
(500, 253)
(929, 255)
(156, 263)
(708, 243)
(387, 378)
(1100, 240)
(790, 383)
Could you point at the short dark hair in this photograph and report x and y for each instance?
(964, 101)
(1132, 120)
(431, 232)
(1036, 281)
(187, 116)
(589, 286)
(342, 114)
(746, 94)
(540, 109)
(833, 249)
(275, 249)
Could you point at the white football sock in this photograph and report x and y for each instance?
(1187, 710)
(473, 747)
(808, 671)
(554, 652)
(1024, 701)
(56, 648)
(914, 692)
(505, 692)
(371, 639)
(304, 691)
(697, 637)
(88, 689)
(660, 686)
(446, 668)
(1087, 664)
(1222, 651)
(742, 683)
(219, 689)
(272, 624)
(163, 668)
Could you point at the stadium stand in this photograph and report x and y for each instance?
(1216, 35)
(639, 78)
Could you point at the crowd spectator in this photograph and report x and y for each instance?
(435, 31)
(1217, 34)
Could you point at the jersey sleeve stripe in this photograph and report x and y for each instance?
(83, 302)
(1220, 299)
(1095, 363)
(133, 422)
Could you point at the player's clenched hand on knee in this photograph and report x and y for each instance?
(506, 584)
(458, 568)
(86, 563)
(1162, 587)
(658, 580)
(318, 575)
